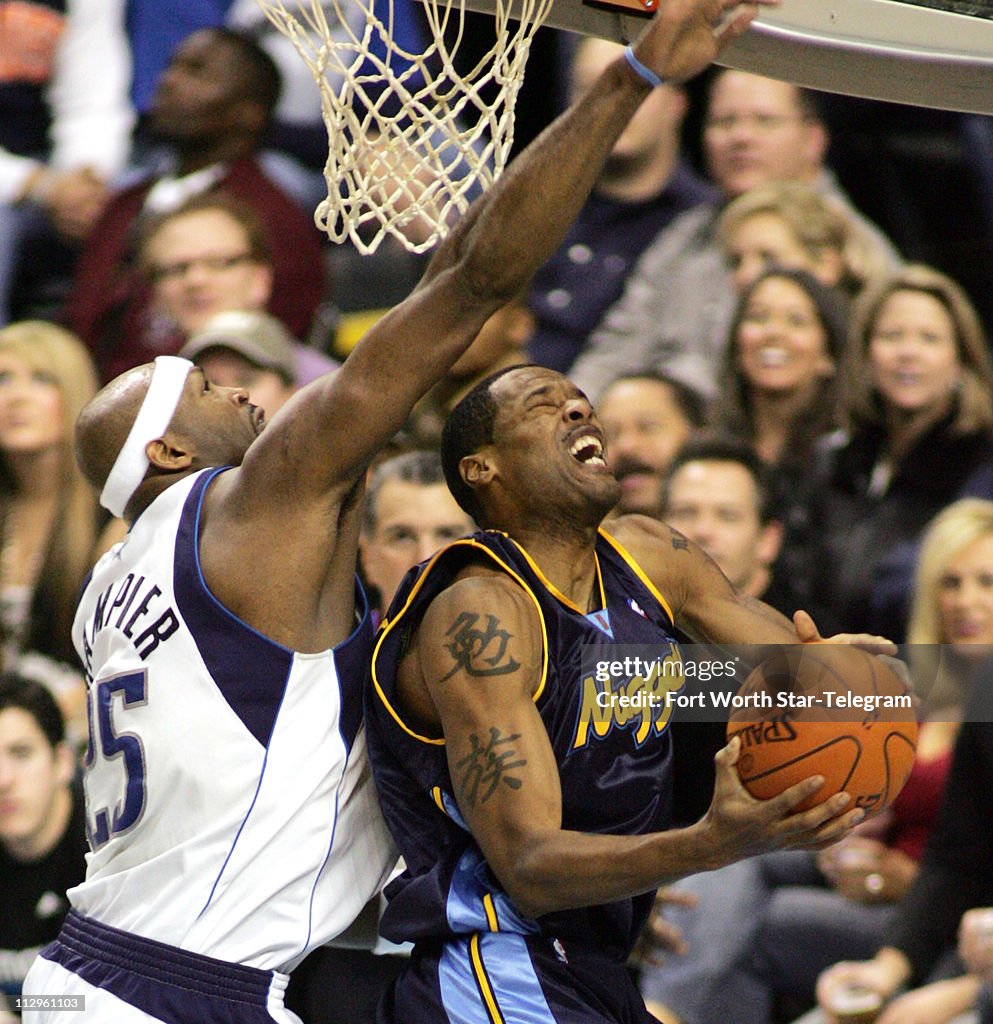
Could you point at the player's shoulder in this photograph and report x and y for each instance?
(482, 583)
(669, 560)
(480, 591)
(641, 535)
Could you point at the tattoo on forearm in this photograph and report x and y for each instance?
(486, 766)
(679, 542)
(479, 651)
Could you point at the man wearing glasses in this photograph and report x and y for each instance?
(677, 305)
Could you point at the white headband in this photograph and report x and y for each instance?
(154, 416)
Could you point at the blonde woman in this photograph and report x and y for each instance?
(950, 628)
(950, 636)
(50, 522)
(953, 608)
(790, 225)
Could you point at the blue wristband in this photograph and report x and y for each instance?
(645, 74)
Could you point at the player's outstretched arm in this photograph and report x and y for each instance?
(707, 606)
(334, 427)
(478, 655)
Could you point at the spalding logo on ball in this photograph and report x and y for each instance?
(831, 710)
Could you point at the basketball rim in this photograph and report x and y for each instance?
(933, 53)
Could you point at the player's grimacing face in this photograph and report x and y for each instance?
(549, 438)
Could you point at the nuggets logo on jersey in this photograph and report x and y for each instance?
(639, 704)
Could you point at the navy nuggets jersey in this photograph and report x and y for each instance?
(614, 765)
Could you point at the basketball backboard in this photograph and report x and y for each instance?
(932, 53)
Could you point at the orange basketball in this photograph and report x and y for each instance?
(825, 709)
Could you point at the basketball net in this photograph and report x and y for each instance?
(411, 139)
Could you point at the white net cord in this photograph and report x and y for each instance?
(410, 138)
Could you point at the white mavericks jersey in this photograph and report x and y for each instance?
(230, 807)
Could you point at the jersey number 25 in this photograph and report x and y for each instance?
(109, 743)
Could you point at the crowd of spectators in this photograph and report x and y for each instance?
(775, 378)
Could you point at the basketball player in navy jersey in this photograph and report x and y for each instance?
(532, 815)
(231, 814)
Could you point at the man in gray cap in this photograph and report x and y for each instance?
(254, 351)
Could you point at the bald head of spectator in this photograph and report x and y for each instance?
(759, 130)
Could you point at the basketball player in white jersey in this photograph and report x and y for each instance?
(230, 810)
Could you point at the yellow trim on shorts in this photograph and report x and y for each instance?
(639, 572)
(491, 915)
(389, 624)
(483, 981)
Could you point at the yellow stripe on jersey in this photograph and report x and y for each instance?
(389, 624)
(554, 590)
(483, 981)
(436, 796)
(638, 571)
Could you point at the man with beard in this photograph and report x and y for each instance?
(212, 107)
(647, 418)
